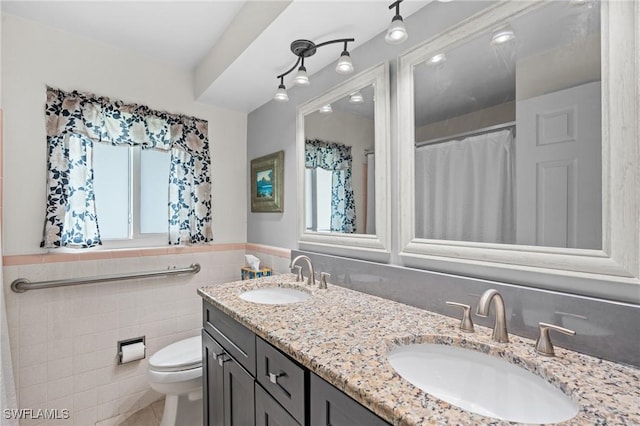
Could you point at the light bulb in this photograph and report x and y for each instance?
(344, 66)
(281, 94)
(356, 98)
(397, 32)
(437, 59)
(502, 36)
(301, 78)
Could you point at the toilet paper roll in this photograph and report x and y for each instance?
(132, 352)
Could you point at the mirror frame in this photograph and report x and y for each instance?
(366, 246)
(611, 273)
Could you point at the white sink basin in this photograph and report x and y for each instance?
(275, 295)
(481, 383)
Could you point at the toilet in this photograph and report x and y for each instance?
(176, 371)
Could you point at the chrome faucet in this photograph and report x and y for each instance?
(312, 277)
(500, 327)
(543, 344)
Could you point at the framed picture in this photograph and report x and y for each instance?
(267, 183)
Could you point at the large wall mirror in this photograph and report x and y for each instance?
(507, 126)
(342, 143)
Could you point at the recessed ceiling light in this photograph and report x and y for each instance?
(437, 59)
(356, 98)
(502, 36)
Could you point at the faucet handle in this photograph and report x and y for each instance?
(323, 280)
(299, 276)
(543, 344)
(466, 324)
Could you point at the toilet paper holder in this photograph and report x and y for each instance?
(133, 341)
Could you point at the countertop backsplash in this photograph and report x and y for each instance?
(604, 329)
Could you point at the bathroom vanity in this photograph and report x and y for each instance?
(324, 361)
(249, 381)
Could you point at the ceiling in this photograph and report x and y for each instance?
(234, 48)
(477, 75)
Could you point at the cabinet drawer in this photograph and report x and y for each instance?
(269, 412)
(329, 406)
(282, 378)
(235, 338)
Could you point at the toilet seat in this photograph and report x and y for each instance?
(178, 357)
(175, 376)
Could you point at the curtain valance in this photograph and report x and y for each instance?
(327, 155)
(104, 120)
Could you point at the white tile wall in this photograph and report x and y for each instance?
(279, 265)
(63, 340)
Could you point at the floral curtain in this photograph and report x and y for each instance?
(75, 121)
(336, 157)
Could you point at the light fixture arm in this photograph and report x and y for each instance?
(309, 50)
(396, 4)
(281, 76)
(340, 40)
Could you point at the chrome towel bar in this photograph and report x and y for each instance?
(21, 285)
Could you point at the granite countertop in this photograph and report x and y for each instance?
(343, 336)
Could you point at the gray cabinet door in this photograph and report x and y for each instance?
(269, 412)
(213, 384)
(239, 399)
(330, 407)
(228, 388)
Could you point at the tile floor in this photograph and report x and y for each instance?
(148, 416)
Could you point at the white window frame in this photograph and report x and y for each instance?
(313, 193)
(136, 239)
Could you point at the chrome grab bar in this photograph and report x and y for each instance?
(21, 285)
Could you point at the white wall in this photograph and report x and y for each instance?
(34, 56)
(63, 340)
(573, 64)
(498, 114)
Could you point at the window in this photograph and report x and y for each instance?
(130, 186)
(318, 192)
(133, 183)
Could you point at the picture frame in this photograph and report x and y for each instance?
(267, 183)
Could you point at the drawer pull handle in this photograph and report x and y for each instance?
(222, 358)
(273, 378)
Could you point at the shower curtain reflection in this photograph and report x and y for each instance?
(464, 189)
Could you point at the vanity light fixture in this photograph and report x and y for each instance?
(325, 109)
(301, 78)
(397, 31)
(356, 98)
(344, 66)
(303, 49)
(502, 36)
(281, 93)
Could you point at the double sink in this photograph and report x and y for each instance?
(469, 379)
